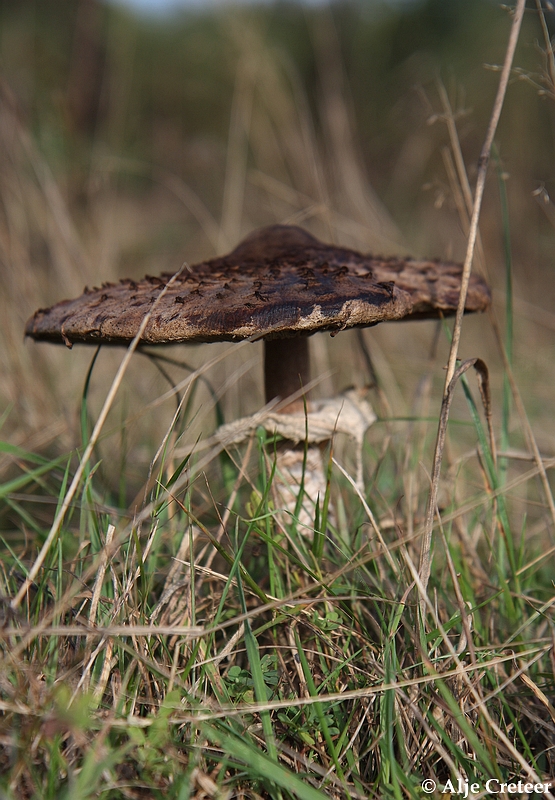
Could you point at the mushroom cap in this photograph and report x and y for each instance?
(278, 282)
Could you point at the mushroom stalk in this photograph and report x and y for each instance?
(286, 370)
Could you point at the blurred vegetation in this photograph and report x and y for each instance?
(128, 144)
(94, 81)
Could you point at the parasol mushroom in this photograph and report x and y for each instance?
(280, 284)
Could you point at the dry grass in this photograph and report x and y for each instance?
(179, 639)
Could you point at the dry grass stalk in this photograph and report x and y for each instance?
(33, 572)
(425, 553)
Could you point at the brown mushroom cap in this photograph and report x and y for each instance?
(280, 281)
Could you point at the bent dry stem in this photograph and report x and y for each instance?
(425, 551)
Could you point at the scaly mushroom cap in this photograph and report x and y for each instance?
(278, 282)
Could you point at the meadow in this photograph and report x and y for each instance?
(165, 629)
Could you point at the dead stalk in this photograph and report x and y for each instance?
(425, 552)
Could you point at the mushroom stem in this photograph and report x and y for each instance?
(286, 370)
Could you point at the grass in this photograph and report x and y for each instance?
(246, 664)
(182, 636)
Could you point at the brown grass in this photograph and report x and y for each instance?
(88, 709)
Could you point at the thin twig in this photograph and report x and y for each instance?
(425, 553)
(99, 580)
(431, 509)
(465, 209)
(97, 591)
(480, 183)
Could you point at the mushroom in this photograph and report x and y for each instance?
(280, 284)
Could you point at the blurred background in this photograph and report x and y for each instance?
(133, 138)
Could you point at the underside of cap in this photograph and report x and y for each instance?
(279, 282)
